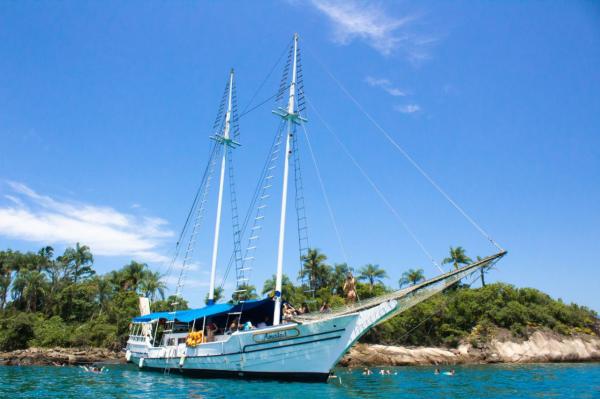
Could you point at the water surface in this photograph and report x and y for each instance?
(489, 381)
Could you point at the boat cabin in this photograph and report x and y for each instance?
(195, 327)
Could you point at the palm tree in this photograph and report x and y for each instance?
(372, 274)
(481, 272)
(45, 258)
(7, 259)
(30, 287)
(116, 279)
(287, 287)
(315, 269)
(151, 283)
(457, 257)
(244, 292)
(131, 275)
(411, 276)
(217, 296)
(104, 290)
(80, 260)
(340, 271)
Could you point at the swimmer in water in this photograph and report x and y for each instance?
(366, 371)
(436, 372)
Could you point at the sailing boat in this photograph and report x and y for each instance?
(198, 342)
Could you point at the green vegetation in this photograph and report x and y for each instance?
(466, 313)
(412, 277)
(372, 274)
(60, 301)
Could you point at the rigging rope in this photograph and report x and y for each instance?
(325, 196)
(439, 311)
(258, 105)
(235, 223)
(261, 85)
(199, 216)
(374, 186)
(212, 153)
(405, 154)
(255, 196)
(301, 219)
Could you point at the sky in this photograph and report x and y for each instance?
(106, 109)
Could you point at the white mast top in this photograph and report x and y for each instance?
(293, 83)
(290, 116)
(224, 141)
(228, 115)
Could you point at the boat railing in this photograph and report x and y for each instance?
(137, 338)
(407, 296)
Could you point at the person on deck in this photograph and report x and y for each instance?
(264, 323)
(304, 309)
(325, 308)
(350, 288)
(211, 330)
(233, 327)
(288, 312)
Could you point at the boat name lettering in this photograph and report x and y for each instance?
(276, 335)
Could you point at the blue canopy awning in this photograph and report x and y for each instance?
(186, 316)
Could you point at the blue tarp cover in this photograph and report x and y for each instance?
(186, 316)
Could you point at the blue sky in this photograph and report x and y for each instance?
(106, 109)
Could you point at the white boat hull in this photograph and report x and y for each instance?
(306, 351)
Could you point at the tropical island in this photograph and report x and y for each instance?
(60, 302)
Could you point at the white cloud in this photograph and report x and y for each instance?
(408, 108)
(193, 266)
(369, 22)
(173, 279)
(14, 199)
(199, 280)
(386, 85)
(108, 232)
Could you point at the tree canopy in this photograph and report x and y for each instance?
(53, 300)
(457, 257)
(49, 300)
(372, 274)
(411, 276)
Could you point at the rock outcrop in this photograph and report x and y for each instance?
(59, 356)
(541, 346)
(547, 347)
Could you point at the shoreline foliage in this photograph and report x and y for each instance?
(51, 301)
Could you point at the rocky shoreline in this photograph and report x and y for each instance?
(60, 356)
(540, 347)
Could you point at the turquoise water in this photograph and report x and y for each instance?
(491, 381)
